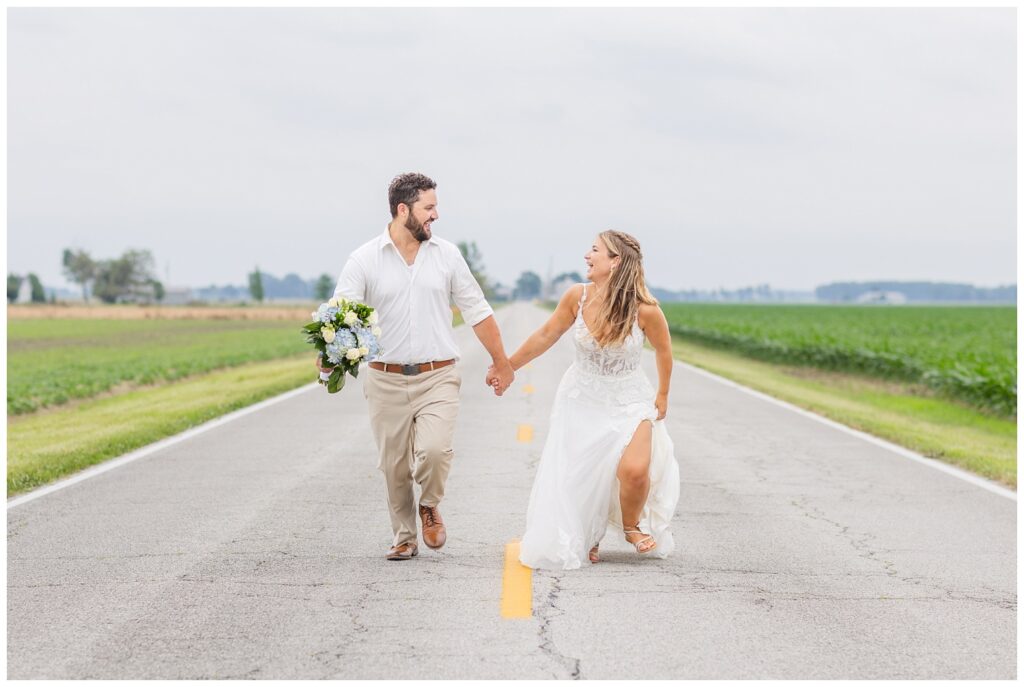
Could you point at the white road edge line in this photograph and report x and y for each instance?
(150, 449)
(212, 424)
(906, 453)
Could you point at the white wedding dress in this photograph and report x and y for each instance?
(602, 399)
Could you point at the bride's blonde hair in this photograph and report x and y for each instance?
(625, 290)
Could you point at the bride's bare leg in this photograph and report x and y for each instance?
(634, 479)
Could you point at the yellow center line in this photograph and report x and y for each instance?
(516, 585)
(525, 434)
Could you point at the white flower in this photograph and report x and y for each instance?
(363, 350)
(351, 318)
(372, 319)
(327, 333)
(354, 353)
(376, 332)
(315, 315)
(333, 302)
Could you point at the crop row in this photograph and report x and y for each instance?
(51, 362)
(967, 353)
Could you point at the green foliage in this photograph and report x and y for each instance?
(13, 287)
(471, 254)
(79, 268)
(128, 279)
(50, 362)
(574, 276)
(528, 285)
(324, 288)
(38, 292)
(256, 285)
(336, 382)
(968, 353)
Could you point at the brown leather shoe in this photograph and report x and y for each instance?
(402, 552)
(434, 534)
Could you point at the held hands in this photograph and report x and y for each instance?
(661, 403)
(500, 376)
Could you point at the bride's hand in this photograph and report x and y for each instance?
(661, 403)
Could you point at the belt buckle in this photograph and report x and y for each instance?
(410, 370)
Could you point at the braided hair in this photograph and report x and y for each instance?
(625, 291)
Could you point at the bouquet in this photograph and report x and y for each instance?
(345, 333)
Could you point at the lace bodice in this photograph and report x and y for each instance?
(606, 361)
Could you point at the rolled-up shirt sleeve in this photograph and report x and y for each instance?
(466, 292)
(352, 282)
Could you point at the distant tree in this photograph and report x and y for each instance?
(471, 254)
(158, 290)
(13, 287)
(256, 285)
(324, 287)
(38, 292)
(575, 276)
(125, 279)
(80, 269)
(528, 286)
(290, 286)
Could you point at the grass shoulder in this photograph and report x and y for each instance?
(46, 446)
(905, 414)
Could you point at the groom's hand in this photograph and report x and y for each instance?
(493, 380)
(500, 376)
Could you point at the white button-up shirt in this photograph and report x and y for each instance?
(413, 302)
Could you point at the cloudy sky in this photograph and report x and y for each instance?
(784, 146)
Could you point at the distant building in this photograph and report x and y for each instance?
(65, 295)
(890, 297)
(177, 295)
(24, 292)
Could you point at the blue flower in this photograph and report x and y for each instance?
(366, 338)
(345, 339)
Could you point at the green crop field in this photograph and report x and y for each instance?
(50, 362)
(965, 352)
(134, 380)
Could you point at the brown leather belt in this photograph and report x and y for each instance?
(411, 369)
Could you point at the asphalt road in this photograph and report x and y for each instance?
(256, 549)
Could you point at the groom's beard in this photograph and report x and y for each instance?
(416, 229)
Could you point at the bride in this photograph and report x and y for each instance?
(608, 460)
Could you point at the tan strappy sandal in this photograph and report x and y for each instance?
(594, 558)
(638, 544)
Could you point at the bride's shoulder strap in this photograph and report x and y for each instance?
(584, 296)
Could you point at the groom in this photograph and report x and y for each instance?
(410, 277)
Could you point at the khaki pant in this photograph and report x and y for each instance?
(413, 421)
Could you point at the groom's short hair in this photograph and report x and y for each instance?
(405, 188)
